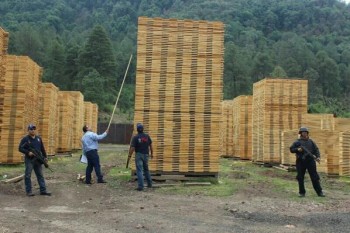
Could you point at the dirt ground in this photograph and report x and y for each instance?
(118, 207)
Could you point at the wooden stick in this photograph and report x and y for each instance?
(15, 179)
(121, 87)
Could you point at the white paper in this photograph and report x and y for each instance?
(83, 158)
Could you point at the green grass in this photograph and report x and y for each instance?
(234, 176)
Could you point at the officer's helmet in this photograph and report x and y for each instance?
(303, 129)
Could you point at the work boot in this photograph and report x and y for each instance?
(30, 194)
(301, 194)
(321, 194)
(45, 193)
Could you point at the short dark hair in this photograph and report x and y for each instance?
(85, 128)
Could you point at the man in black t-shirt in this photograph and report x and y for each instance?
(142, 145)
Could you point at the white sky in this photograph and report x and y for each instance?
(347, 1)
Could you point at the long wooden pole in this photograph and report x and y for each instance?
(121, 87)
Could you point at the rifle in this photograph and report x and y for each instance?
(39, 156)
(308, 153)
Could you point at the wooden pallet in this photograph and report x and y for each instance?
(163, 176)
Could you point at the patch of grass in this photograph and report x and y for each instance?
(10, 171)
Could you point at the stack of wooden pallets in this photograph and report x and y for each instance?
(94, 117)
(242, 126)
(277, 106)
(344, 153)
(226, 127)
(20, 104)
(78, 118)
(88, 110)
(179, 91)
(318, 121)
(65, 122)
(48, 119)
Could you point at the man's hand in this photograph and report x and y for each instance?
(300, 149)
(30, 154)
(318, 160)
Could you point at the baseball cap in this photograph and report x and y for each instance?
(139, 126)
(31, 127)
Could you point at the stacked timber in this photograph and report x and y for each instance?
(65, 122)
(179, 91)
(88, 119)
(48, 117)
(226, 128)
(19, 91)
(277, 106)
(318, 121)
(342, 124)
(94, 117)
(4, 38)
(78, 118)
(344, 153)
(242, 126)
(287, 139)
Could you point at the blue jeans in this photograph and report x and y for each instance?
(31, 164)
(141, 163)
(93, 163)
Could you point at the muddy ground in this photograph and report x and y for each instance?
(252, 204)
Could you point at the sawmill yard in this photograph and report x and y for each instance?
(246, 197)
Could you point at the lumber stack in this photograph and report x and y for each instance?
(78, 118)
(226, 127)
(4, 38)
(48, 117)
(287, 139)
(19, 90)
(344, 153)
(179, 91)
(318, 121)
(88, 109)
(332, 151)
(94, 117)
(65, 122)
(277, 106)
(342, 124)
(242, 126)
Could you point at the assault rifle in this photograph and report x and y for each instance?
(308, 153)
(39, 156)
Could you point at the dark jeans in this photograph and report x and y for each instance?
(93, 163)
(141, 162)
(310, 166)
(31, 164)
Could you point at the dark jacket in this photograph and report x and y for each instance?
(308, 145)
(28, 143)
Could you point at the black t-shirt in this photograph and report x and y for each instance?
(141, 143)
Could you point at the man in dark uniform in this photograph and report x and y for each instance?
(307, 153)
(142, 145)
(32, 146)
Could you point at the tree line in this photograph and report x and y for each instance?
(85, 45)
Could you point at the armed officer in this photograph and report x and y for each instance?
(307, 153)
(34, 156)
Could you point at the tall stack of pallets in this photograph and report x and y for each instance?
(94, 117)
(65, 122)
(48, 119)
(88, 110)
(344, 153)
(20, 98)
(242, 126)
(78, 118)
(179, 91)
(277, 106)
(226, 127)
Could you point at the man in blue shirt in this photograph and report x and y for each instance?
(142, 145)
(32, 146)
(90, 149)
